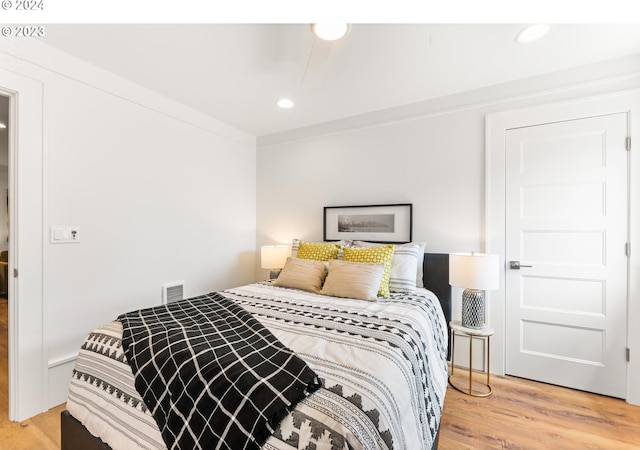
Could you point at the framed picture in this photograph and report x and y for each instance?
(373, 223)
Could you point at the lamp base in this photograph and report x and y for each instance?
(275, 273)
(473, 308)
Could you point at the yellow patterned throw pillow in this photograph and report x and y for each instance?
(318, 251)
(382, 254)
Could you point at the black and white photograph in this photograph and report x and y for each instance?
(375, 223)
(366, 223)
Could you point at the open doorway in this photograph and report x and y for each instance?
(4, 260)
(28, 371)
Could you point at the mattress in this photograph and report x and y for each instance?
(382, 365)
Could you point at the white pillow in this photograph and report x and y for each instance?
(404, 268)
(406, 265)
(353, 280)
(305, 274)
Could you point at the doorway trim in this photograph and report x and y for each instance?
(495, 208)
(28, 384)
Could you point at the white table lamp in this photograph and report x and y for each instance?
(475, 272)
(273, 257)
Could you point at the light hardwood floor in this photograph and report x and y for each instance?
(38, 433)
(521, 414)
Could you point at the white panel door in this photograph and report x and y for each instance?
(566, 218)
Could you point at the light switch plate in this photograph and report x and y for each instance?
(64, 234)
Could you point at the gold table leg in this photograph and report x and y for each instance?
(470, 389)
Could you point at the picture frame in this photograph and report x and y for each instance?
(392, 223)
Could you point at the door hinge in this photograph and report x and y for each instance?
(627, 249)
(15, 273)
(628, 354)
(628, 143)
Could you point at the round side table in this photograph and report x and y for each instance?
(484, 334)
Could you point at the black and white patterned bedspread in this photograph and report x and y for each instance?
(211, 374)
(382, 365)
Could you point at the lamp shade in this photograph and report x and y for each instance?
(273, 256)
(473, 270)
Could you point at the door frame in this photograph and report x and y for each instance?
(495, 208)
(28, 368)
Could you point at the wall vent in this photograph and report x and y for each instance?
(172, 292)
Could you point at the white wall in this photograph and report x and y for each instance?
(160, 193)
(431, 154)
(419, 162)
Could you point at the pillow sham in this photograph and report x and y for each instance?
(305, 274)
(295, 244)
(404, 268)
(380, 254)
(421, 248)
(317, 251)
(353, 280)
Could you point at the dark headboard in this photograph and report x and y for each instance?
(436, 279)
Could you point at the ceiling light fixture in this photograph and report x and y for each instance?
(532, 33)
(284, 103)
(2, 125)
(329, 31)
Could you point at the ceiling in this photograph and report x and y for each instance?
(236, 73)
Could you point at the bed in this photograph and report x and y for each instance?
(381, 369)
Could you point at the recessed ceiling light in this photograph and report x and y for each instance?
(330, 31)
(284, 103)
(532, 33)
